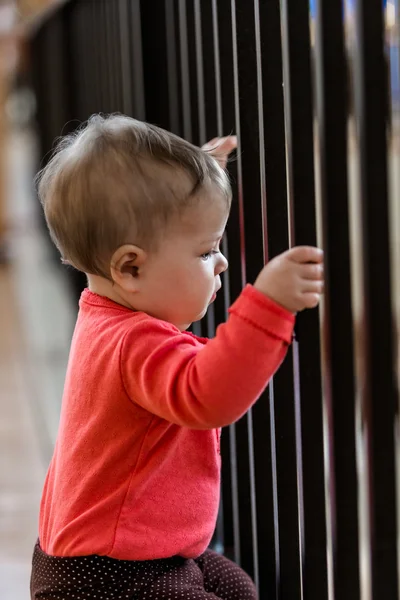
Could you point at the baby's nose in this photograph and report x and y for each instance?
(222, 264)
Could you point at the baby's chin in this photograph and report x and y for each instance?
(186, 326)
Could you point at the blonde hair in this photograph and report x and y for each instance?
(118, 181)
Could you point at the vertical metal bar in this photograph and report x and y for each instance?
(108, 71)
(91, 59)
(276, 491)
(286, 502)
(393, 35)
(353, 158)
(116, 55)
(95, 18)
(125, 53)
(200, 74)
(179, 75)
(80, 69)
(337, 334)
(264, 584)
(288, 116)
(186, 95)
(172, 67)
(220, 130)
(217, 69)
(117, 34)
(260, 101)
(71, 83)
(251, 57)
(80, 66)
(253, 499)
(301, 196)
(192, 60)
(235, 495)
(210, 318)
(155, 62)
(376, 356)
(137, 60)
(238, 133)
(226, 116)
(221, 313)
(284, 577)
(264, 227)
(299, 451)
(112, 75)
(272, 583)
(187, 121)
(244, 427)
(223, 53)
(208, 78)
(209, 104)
(103, 60)
(288, 72)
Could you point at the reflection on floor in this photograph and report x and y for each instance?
(36, 321)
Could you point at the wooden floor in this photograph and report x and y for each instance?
(36, 321)
(21, 463)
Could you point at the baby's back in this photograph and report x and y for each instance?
(123, 482)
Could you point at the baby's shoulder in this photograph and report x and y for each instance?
(142, 326)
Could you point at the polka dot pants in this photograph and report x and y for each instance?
(209, 577)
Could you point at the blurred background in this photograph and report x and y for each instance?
(306, 141)
(37, 309)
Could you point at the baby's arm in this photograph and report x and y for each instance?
(203, 387)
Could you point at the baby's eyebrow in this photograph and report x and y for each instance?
(215, 238)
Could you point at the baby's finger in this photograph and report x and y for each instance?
(311, 300)
(312, 287)
(211, 143)
(221, 146)
(312, 271)
(305, 254)
(227, 144)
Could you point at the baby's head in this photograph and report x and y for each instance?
(142, 213)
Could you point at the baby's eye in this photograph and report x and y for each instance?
(208, 255)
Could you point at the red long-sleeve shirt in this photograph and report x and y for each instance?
(135, 473)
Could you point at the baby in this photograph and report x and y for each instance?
(131, 496)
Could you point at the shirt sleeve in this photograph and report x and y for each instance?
(176, 377)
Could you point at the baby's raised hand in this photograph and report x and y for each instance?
(294, 279)
(220, 148)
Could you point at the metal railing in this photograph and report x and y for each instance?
(310, 497)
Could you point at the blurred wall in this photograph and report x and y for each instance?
(16, 16)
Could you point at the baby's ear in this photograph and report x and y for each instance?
(126, 265)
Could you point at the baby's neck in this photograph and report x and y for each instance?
(104, 287)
